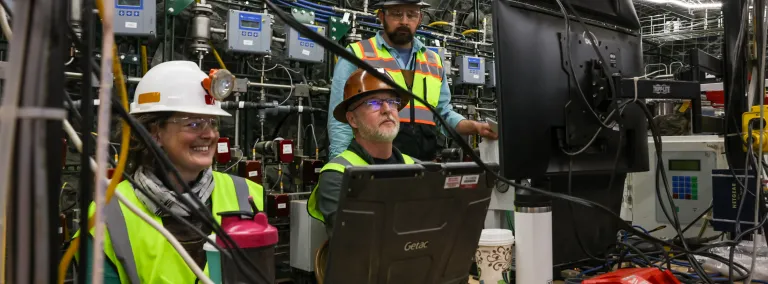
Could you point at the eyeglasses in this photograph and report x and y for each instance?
(196, 124)
(376, 104)
(398, 14)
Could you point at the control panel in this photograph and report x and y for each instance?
(301, 48)
(135, 18)
(689, 162)
(471, 70)
(249, 32)
(689, 178)
(490, 68)
(441, 51)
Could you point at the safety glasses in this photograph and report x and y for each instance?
(376, 104)
(411, 15)
(196, 124)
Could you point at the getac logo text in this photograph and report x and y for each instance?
(409, 246)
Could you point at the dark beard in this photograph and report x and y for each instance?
(400, 36)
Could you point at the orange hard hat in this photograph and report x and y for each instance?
(360, 84)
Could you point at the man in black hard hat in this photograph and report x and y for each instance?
(412, 66)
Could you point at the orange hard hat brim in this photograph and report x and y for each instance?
(340, 112)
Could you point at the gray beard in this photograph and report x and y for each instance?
(376, 134)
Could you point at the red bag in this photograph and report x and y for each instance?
(635, 276)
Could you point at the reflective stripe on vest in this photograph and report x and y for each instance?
(118, 229)
(428, 76)
(339, 164)
(121, 244)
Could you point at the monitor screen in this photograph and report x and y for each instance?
(250, 24)
(474, 65)
(134, 3)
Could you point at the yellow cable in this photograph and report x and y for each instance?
(216, 54)
(439, 23)
(470, 32)
(144, 67)
(126, 135)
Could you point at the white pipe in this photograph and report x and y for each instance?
(688, 5)
(102, 140)
(174, 242)
(4, 24)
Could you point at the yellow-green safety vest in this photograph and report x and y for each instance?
(141, 254)
(339, 164)
(428, 72)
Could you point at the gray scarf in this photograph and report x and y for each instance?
(149, 181)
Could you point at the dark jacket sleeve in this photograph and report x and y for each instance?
(328, 189)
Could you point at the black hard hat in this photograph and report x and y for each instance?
(384, 3)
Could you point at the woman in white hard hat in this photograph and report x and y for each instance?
(175, 102)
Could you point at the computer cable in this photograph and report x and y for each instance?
(572, 73)
(695, 220)
(660, 169)
(343, 53)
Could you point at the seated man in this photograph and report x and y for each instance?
(371, 108)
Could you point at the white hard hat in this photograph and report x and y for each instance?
(175, 86)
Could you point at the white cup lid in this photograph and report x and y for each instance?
(496, 237)
(207, 246)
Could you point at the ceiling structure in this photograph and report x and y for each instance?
(671, 28)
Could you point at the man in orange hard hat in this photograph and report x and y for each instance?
(412, 66)
(370, 107)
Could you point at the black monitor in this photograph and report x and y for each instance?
(408, 223)
(541, 111)
(534, 86)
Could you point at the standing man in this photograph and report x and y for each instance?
(413, 67)
(370, 107)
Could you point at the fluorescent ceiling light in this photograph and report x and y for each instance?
(688, 5)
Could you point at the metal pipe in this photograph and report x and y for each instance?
(263, 66)
(76, 75)
(298, 136)
(218, 30)
(453, 22)
(237, 120)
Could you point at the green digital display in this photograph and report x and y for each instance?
(685, 165)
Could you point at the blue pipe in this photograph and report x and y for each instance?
(316, 6)
(326, 14)
(329, 9)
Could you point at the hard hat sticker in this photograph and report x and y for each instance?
(153, 97)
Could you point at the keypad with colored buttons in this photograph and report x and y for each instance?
(685, 187)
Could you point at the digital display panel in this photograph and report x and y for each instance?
(474, 64)
(685, 165)
(134, 3)
(250, 24)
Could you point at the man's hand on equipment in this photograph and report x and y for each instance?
(484, 130)
(471, 127)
